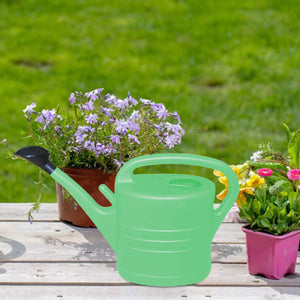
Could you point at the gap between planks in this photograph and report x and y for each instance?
(95, 262)
(102, 274)
(197, 285)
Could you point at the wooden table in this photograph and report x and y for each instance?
(49, 259)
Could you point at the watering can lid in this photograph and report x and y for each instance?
(166, 186)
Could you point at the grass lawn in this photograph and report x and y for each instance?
(230, 68)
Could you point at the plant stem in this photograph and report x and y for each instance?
(275, 161)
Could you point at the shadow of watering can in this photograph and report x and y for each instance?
(161, 226)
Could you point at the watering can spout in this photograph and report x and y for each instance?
(103, 217)
(38, 156)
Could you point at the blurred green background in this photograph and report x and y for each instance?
(230, 68)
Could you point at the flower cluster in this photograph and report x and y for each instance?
(104, 131)
(269, 188)
(248, 181)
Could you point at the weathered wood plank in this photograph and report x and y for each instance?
(19, 212)
(55, 249)
(49, 259)
(227, 232)
(106, 273)
(9, 292)
(63, 242)
(47, 212)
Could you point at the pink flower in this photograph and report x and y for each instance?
(293, 174)
(264, 172)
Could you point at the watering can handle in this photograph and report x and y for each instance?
(127, 171)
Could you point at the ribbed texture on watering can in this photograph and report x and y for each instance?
(165, 239)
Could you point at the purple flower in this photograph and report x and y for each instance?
(29, 109)
(118, 163)
(82, 133)
(172, 140)
(85, 129)
(130, 100)
(91, 118)
(72, 98)
(133, 126)
(106, 111)
(177, 129)
(133, 138)
(77, 149)
(47, 117)
(159, 127)
(176, 116)
(168, 126)
(121, 104)
(57, 129)
(121, 126)
(80, 137)
(88, 106)
(110, 149)
(94, 95)
(115, 139)
(99, 149)
(146, 101)
(136, 115)
(160, 110)
(40, 119)
(89, 145)
(110, 99)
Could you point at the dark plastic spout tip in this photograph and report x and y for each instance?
(38, 156)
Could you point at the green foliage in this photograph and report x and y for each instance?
(275, 208)
(287, 132)
(275, 166)
(294, 149)
(230, 69)
(280, 186)
(270, 214)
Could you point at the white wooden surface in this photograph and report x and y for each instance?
(49, 259)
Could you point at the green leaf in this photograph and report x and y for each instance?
(267, 164)
(256, 207)
(282, 214)
(287, 132)
(269, 212)
(294, 149)
(264, 223)
(296, 206)
(292, 196)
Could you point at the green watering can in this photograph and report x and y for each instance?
(161, 226)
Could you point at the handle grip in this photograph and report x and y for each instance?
(126, 173)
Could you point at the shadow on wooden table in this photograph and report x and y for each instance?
(17, 249)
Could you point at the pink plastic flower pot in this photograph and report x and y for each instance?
(270, 255)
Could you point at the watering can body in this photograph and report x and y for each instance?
(161, 226)
(164, 224)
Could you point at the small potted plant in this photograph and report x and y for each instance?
(269, 202)
(273, 229)
(93, 139)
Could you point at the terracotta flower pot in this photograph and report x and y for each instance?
(271, 255)
(89, 179)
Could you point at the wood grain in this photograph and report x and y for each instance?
(49, 259)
